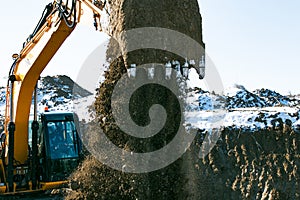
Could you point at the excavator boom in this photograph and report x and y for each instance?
(26, 74)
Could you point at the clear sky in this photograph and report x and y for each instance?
(254, 43)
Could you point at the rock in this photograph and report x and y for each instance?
(74, 185)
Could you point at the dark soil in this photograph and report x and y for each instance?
(247, 165)
(243, 165)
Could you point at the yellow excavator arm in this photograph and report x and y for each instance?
(57, 23)
(30, 63)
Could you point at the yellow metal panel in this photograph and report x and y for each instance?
(29, 70)
(2, 189)
(53, 185)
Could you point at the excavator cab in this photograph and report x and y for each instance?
(59, 146)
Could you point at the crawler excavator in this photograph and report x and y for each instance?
(30, 158)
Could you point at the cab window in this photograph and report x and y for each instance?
(62, 139)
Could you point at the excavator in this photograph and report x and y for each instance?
(40, 155)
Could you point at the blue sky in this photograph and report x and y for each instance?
(254, 43)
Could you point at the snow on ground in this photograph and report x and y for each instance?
(237, 108)
(83, 108)
(241, 109)
(251, 119)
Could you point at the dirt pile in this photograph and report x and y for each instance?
(93, 180)
(242, 165)
(247, 165)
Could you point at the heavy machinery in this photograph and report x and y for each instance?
(45, 161)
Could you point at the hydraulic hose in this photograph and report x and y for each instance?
(67, 14)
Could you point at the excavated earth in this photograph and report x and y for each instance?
(242, 165)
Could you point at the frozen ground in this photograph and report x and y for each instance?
(237, 107)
